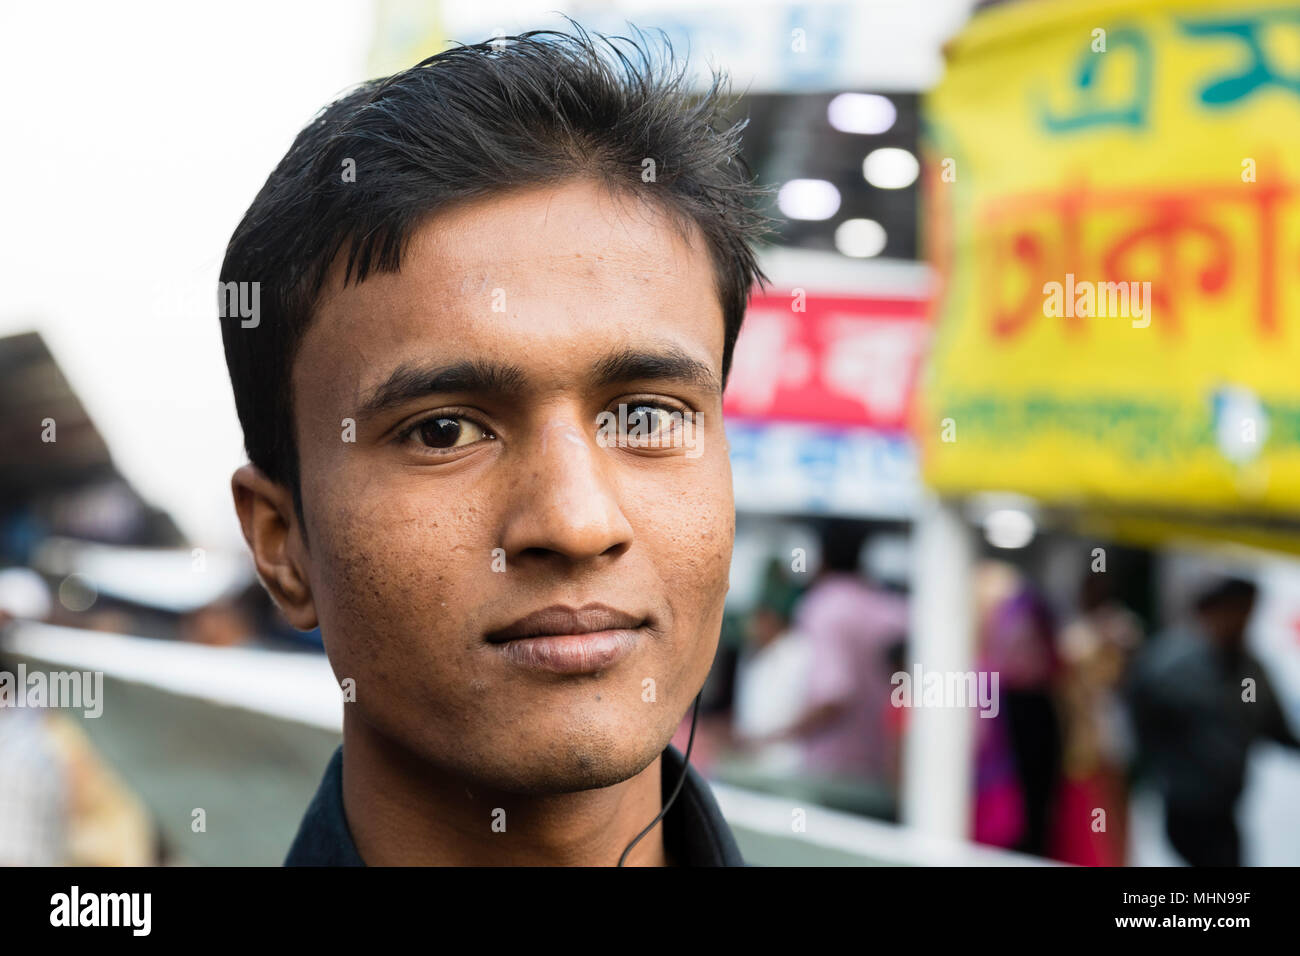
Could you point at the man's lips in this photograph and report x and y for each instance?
(559, 619)
(565, 640)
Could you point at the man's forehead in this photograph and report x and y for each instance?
(539, 236)
(529, 278)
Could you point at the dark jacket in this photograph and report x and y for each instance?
(1194, 729)
(695, 833)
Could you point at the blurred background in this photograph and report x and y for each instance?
(935, 471)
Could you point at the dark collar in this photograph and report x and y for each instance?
(695, 833)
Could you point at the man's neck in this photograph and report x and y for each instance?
(403, 812)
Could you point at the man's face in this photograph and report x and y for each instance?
(539, 309)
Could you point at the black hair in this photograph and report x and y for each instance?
(1228, 592)
(540, 108)
(842, 543)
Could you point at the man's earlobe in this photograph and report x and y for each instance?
(270, 526)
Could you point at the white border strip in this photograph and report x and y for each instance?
(884, 843)
(298, 687)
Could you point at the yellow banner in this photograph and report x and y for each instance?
(1113, 205)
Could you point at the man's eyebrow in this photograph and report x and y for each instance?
(410, 382)
(671, 363)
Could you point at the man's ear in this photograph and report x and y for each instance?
(270, 526)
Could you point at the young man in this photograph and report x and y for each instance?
(478, 323)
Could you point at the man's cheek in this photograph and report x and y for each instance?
(385, 585)
(394, 627)
(696, 580)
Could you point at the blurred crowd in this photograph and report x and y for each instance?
(1089, 707)
(97, 560)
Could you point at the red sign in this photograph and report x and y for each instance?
(843, 360)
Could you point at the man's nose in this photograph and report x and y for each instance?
(567, 500)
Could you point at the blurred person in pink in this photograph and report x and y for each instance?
(850, 626)
(1018, 752)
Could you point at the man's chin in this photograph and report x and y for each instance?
(573, 765)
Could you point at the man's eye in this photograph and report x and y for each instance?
(647, 420)
(643, 424)
(444, 432)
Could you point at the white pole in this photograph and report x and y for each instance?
(938, 754)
